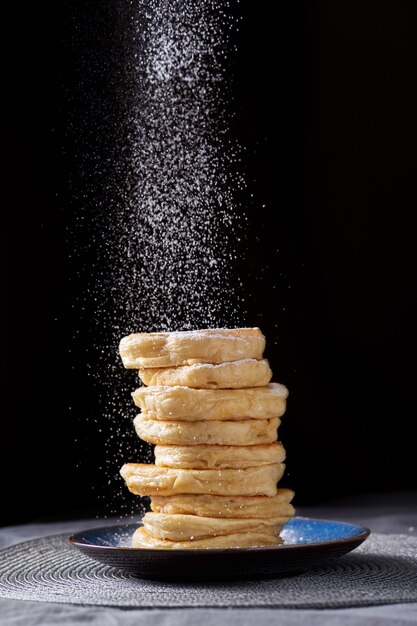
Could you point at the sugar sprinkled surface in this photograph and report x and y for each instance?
(168, 248)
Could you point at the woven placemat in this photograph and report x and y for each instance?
(382, 571)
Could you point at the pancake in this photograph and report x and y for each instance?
(148, 480)
(185, 403)
(208, 505)
(193, 346)
(234, 433)
(142, 539)
(219, 457)
(188, 527)
(232, 375)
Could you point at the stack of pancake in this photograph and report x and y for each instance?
(210, 409)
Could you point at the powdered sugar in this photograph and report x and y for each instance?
(222, 365)
(169, 240)
(180, 221)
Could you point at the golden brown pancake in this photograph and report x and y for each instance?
(185, 403)
(188, 527)
(145, 479)
(188, 347)
(218, 457)
(233, 433)
(208, 505)
(232, 375)
(142, 539)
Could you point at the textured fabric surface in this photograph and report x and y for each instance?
(383, 513)
(383, 570)
(14, 613)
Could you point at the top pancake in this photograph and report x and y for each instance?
(142, 350)
(231, 375)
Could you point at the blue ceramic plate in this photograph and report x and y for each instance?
(307, 542)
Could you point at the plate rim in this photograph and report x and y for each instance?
(361, 536)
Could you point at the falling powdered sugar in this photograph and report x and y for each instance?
(176, 258)
(171, 242)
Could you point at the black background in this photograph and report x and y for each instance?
(326, 102)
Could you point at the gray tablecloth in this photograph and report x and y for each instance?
(388, 513)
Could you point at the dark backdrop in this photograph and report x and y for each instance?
(326, 107)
